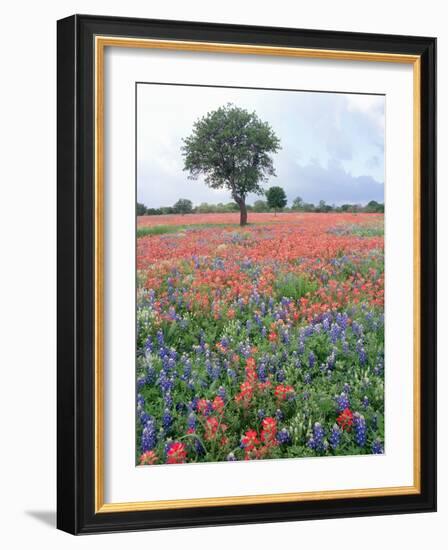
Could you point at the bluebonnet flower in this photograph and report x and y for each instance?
(167, 421)
(342, 320)
(342, 402)
(281, 375)
(361, 352)
(222, 393)
(216, 372)
(224, 342)
(150, 374)
(316, 441)
(346, 388)
(166, 383)
(141, 381)
(307, 378)
(160, 338)
(284, 437)
(279, 415)
(209, 367)
(331, 360)
(377, 447)
(191, 422)
(262, 372)
(198, 447)
(168, 400)
(311, 359)
(149, 436)
(231, 373)
(308, 331)
(335, 436)
(301, 347)
(261, 414)
(379, 367)
(359, 424)
(194, 404)
(335, 332)
(365, 401)
(187, 369)
(230, 457)
(149, 347)
(143, 416)
(357, 329)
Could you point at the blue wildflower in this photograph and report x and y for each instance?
(149, 436)
(377, 447)
(342, 402)
(359, 424)
(167, 421)
(284, 437)
(335, 436)
(316, 441)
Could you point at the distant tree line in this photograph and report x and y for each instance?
(275, 201)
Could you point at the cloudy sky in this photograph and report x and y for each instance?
(332, 144)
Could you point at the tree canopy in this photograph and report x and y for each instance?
(276, 198)
(183, 206)
(231, 148)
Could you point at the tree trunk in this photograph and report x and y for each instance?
(243, 212)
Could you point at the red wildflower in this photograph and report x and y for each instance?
(250, 440)
(149, 457)
(269, 431)
(211, 427)
(283, 391)
(250, 363)
(218, 404)
(176, 454)
(345, 419)
(246, 394)
(203, 406)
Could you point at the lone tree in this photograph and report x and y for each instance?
(183, 206)
(276, 198)
(231, 147)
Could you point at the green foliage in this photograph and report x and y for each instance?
(141, 209)
(374, 206)
(144, 231)
(293, 286)
(183, 206)
(260, 206)
(297, 203)
(276, 198)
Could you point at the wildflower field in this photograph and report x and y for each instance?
(265, 341)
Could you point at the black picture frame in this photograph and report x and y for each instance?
(76, 273)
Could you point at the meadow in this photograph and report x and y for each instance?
(257, 342)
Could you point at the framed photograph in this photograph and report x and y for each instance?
(246, 274)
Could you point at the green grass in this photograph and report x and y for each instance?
(360, 230)
(163, 229)
(293, 286)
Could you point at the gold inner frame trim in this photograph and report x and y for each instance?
(101, 42)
